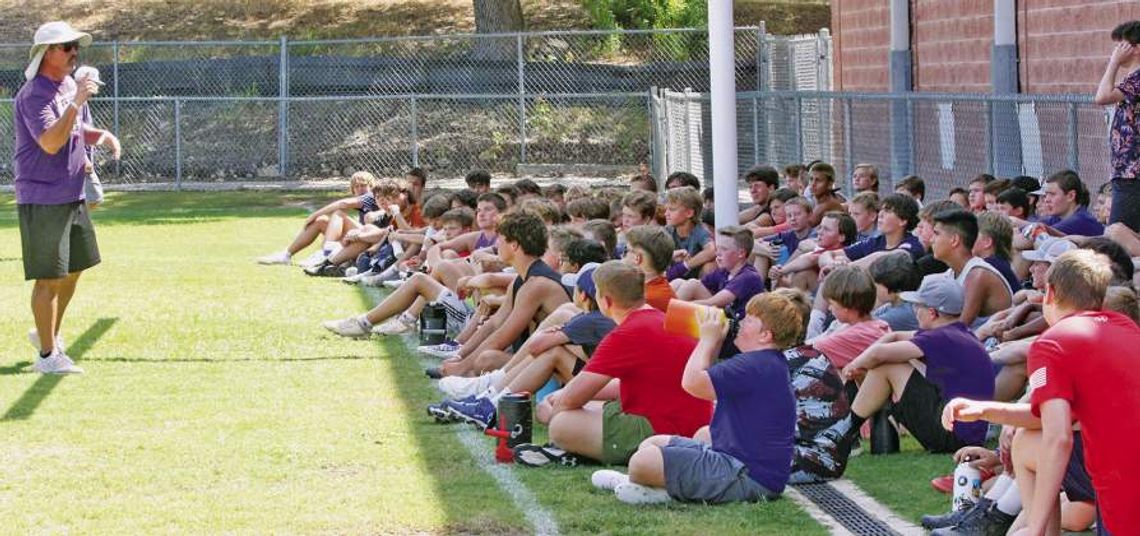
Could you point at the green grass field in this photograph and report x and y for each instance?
(215, 403)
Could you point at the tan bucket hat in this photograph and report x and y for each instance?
(52, 33)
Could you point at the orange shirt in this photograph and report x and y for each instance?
(658, 293)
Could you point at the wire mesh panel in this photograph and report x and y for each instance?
(14, 59)
(1093, 158)
(337, 138)
(460, 134)
(198, 69)
(7, 138)
(595, 130)
(146, 131)
(866, 137)
(209, 130)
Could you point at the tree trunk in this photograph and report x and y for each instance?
(497, 16)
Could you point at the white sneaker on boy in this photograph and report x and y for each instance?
(608, 479)
(631, 493)
(351, 327)
(281, 257)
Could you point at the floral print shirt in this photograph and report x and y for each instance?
(1124, 140)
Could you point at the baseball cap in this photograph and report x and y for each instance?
(938, 291)
(1027, 183)
(88, 72)
(583, 280)
(52, 33)
(1049, 250)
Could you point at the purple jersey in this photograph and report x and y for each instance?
(42, 178)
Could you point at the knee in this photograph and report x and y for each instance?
(559, 430)
(644, 463)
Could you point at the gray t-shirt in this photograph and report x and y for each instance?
(899, 317)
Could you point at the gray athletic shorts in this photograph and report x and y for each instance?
(56, 240)
(458, 312)
(695, 472)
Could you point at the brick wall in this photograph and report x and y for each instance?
(1064, 47)
(1062, 44)
(861, 40)
(951, 45)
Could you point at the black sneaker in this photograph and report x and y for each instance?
(315, 270)
(991, 522)
(957, 516)
(532, 455)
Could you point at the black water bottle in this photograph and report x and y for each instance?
(884, 436)
(514, 416)
(433, 324)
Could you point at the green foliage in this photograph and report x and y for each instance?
(647, 14)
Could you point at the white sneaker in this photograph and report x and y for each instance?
(457, 387)
(282, 257)
(34, 338)
(608, 479)
(393, 326)
(378, 279)
(56, 363)
(631, 493)
(443, 350)
(393, 283)
(315, 259)
(356, 277)
(349, 327)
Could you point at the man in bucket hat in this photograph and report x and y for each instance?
(58, 239)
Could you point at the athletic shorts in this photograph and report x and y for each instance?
(919, 409)
(695, 472)
(457, 310)
(622, 433)
(1077, 484)
(56, 240)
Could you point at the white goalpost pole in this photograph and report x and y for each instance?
(722, 72)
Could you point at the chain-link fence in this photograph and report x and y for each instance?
(951, 137)
(289, 109)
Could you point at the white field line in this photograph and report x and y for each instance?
(540, 518)
(873, 507)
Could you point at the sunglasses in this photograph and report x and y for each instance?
(68, 47)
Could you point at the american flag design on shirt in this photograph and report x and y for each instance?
(1038, 379)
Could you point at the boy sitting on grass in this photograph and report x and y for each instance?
(695, 248)
(745, 454)
(733, 283)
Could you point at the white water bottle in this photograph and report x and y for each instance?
(967, 486)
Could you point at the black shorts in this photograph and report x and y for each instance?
(1077, 484)
(919, 409)
(57, 240)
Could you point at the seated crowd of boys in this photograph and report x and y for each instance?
(849, 317)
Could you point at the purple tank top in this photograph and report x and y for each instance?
(485, 242)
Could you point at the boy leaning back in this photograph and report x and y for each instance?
(746, 452)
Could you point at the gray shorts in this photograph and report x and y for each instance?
(695, 472)
(56, 240)
(93, 188)
(458, 312)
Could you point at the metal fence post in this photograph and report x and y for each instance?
(989, 136)
(115, 90)
(522, 100)
(799, 143)
(415, 134)
(755, 132)
(283, 109)
(1074, 139)
(178, 144)
(848, 141)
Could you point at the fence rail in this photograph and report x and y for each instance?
(952, 137)
(283, 109)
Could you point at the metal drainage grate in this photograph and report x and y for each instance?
(844, 510)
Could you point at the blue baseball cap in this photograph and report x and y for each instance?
(583, 280)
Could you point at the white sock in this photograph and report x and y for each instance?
(1009, 502)
(1001, 484)
(496, 395)
(331, 247)
(407, 318)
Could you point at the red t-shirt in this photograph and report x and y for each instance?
(1092, 360)
(649, 362)
(658, 293)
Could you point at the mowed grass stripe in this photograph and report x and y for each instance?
(215, 403)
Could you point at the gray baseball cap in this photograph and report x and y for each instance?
(1049, 250)
(940, 292)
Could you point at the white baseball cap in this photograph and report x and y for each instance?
(52, 33)
(88, 72)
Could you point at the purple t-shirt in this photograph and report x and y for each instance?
(858, 250)
(41, 178)
(1080, 223)
(743, 286)
(958, 364)
(1124, 140)
(755, 416)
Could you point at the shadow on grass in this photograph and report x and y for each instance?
(469, 498)
(176, 208)
(38, 391)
